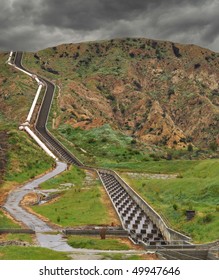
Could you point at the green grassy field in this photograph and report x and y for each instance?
(107, 148)
(34, 160)
(197, 188)
(162, 166)
(74, 175)
(7, 223)
(82, 204)
(103, 144)
(97, 243)
(22, 237)
(30, 253)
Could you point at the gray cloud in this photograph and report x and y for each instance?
(33, 25)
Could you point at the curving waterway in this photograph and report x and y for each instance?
(42, 229)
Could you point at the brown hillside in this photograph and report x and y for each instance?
(160, 92)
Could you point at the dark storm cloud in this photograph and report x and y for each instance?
(90, 15)
(32, 25)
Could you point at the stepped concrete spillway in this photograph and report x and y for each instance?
(134, 219)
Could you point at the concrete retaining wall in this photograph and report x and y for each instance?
(120, 233)
(184, 254)
(213, 256)
(17, 230)
(169, 234)
(213, 252)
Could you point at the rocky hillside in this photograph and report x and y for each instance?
(161, 93)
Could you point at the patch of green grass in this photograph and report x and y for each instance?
(34, 160)
(102, 144)
(20, 237)
(162, 166)
(30, 253)
(74, 176)
(6, 223)
(80, 205)
(196, 189)
(107, 148)
(96, 243)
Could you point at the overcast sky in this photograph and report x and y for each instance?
(36, 24)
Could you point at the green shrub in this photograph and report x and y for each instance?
(190, 148)
(175, 207)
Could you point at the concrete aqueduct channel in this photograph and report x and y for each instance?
(143, 224)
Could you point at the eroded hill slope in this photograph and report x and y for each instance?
(160, 92)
